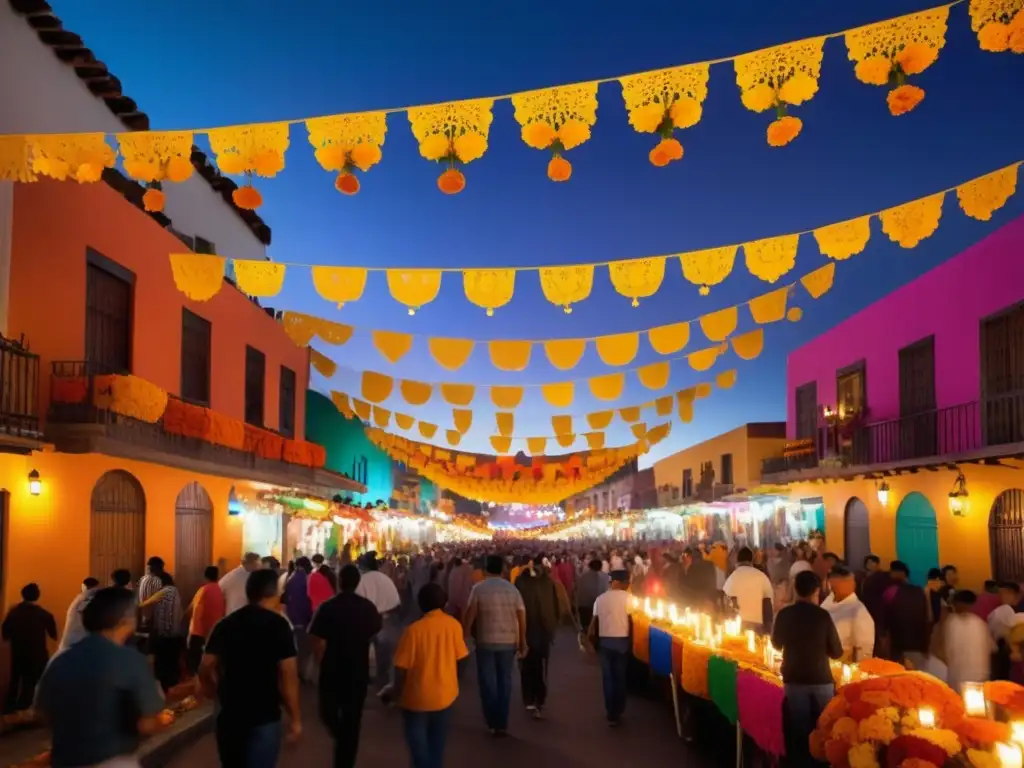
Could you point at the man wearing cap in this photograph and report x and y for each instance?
(232, 585)
(609, 631)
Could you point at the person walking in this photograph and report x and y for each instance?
(341, 632)
(73, 629)
(165, 631)
(233, 583)
(98, 697)
(250, 667)
(206, 610)
(380, 590)
(427, 677)
(591, 584)
(460, 584)
(967, 642)
(542, 605)
(609, 632)
(906, 615)
(496, 618)
(323, 585)
(26, 627)
(752, 591)
(298, 608)
(807, 637)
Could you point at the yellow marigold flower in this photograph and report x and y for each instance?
(940, 737)
(905, 98)
(364, 156)
(799, 88)
(143, 170)
(994, 36)
(784, 130)
(538, 135)
(647, 118)
(573, 133)
(331, 157)
(231, 163)
(178, 169)
(980, 759)
(759, 98)
(470, 147)
(877, 728)
(686, 112)
(435, 146)
(1017, 35)
(268, 163)
(915, 58)
(862, 756)
(874, 70)
(845, 728)
(87, 173)
(153, 200)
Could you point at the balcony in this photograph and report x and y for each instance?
(978, 430)
(19, 397)
(80, 420)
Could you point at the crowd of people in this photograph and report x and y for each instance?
(249, 638)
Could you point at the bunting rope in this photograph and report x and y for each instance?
(554, 120)
(200, 276)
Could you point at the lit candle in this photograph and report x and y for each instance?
(673, 614)
(847, 673)
(660, 609)
(926, 717)
(974, 700)
(647, 606)
(751, 641)
(1009, 755)
(1017, 731)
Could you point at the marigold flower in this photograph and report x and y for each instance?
(862, 756)
(905, 748)
(146, 171)
(878, 728)
(874, 70)
(665, 152)
(784, 130)
(153, 200)
(1017, 36)
(845, 728)
(980, 759)
(980, 731)
(916, 762)
(644, 119)
(364, 156)
(346, 183)
(330, 157)
(559, 169)
(994, 36)
(231, 163)
(799, 88)
(836, 751)
(940, 737)
(904, 98)
(685, 112)
(817, 745)
(470, 146)
(87, 173)
(759, 98)
(178, 169)
(268, 163)
(433, 147)
(247, 198)
(451, 182)
(915, 58)
(573, 133)
(538, 135)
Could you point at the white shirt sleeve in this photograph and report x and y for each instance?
(728, 586)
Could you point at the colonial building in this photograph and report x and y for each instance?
(907, 419)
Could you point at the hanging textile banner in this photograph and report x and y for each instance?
(200, 276)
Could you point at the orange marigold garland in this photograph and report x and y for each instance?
(453, 134)
(999, 25)
(247, 198)
(153, 198)
(557, 120)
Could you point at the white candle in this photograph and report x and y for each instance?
(926, 717)
(751, 641)
(847, 673)
(974, 700)
(1009, 755)
(1017, 732)
(647, 606)
(673, 614)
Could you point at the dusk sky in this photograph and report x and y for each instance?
(194, 64)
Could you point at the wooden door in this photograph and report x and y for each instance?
(108, 320)
(193, 538)
(917, 432)
(1006, 535)
(807, 410)
(1002, 377)
(117, 531)
(857, 534)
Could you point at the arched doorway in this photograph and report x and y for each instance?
(857, 534)
(193, 538)
(1006, 535)
(917, 536)
(117, 530)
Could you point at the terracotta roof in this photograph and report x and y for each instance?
(69, 48)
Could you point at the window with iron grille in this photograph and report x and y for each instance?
(195, 358)
(108, 314)
(255, 381)
(286, 403)
(807, 410)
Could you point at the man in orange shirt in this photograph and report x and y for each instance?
(207, 609)
(427, 677)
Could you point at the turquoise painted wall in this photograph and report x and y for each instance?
(348, 450)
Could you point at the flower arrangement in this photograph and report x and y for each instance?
(1009, 696)
(893, 71)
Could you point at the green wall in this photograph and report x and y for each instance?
(348, 450)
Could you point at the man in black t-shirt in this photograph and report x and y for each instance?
(807, 637)
(250, 666)
(341, 632)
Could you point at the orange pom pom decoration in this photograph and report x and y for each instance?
(178, 169)
(346, 183)
(666, 151)
(903, 99)
(451, 182)
(247, 198)
(784, 130)
(153, 200)
(559, 169)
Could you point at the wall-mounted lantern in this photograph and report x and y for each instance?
(883, 493)
(959, 498)
(35, 484)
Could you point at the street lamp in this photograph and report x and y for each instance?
(959, 498)
(35, 484)
(883, 493)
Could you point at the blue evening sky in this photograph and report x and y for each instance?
(196, 63)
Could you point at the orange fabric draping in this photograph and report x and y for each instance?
(224, 430)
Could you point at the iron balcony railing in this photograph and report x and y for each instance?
(19, 390)
(993, 421)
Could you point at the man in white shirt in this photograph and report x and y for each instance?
(750, 588)
(1001, 620)
(853, 621)
(380, 590)
(968, 643)
(609, 631)
(232, 584)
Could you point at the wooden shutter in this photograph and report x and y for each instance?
(196, 334)
(255, 380)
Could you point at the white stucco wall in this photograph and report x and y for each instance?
(45, 96)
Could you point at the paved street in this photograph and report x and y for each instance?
(572, 734)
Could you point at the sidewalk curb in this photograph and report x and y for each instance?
(159, 750)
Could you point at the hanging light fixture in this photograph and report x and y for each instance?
(35, 484)
(883, 493)
(959, 498)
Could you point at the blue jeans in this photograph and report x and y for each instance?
(494, 677)
(425, 735)
(614, 662)
(256, 747)
(804, 704)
